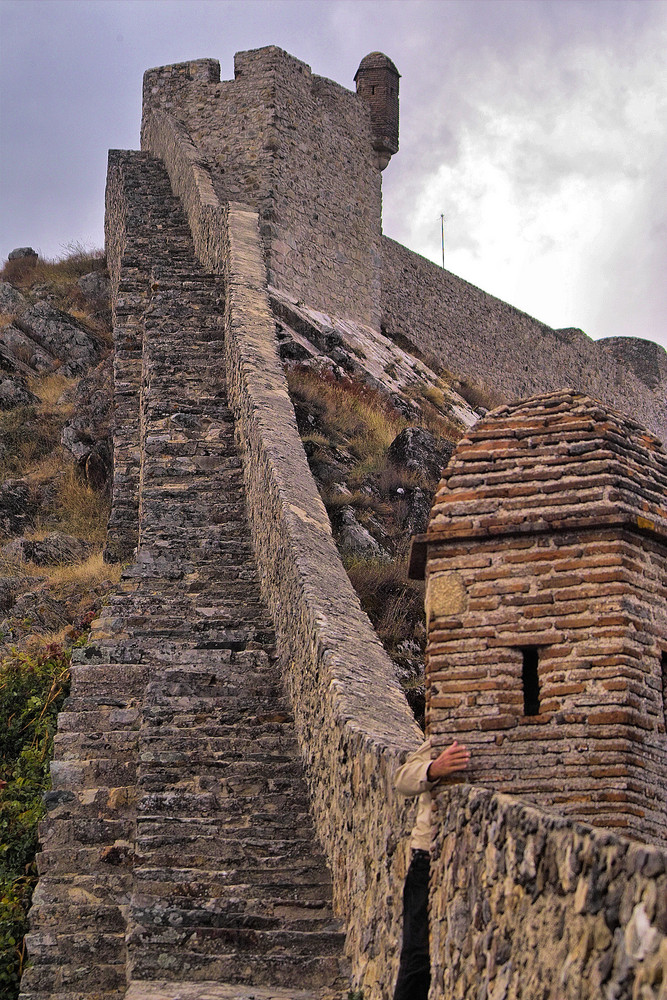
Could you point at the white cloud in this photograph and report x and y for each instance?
(555, 177)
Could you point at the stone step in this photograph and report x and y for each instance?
(117, 994)
(77, 860)
(219, 939)
(57, 833)
(306, 883)
(52, 916)
(61, 978)
(214, 990)
(255, 969)
(99, 720)
(103, 678)
(91, 947)
(119, 745)
(107, 884)
(258, 914)
(109, 772)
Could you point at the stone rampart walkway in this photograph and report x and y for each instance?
(179, 859)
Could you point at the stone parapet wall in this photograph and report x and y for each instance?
(526, 905)
(351, 739)
(471, 332)
(352, 742)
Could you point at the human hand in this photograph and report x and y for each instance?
(454, 758)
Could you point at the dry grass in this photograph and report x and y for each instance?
(59, 274)
(394, 604)
(6, 319)
(26, 435)
(49, 389)
(478, 393)
(83, 576)
(351, 414)
(78, 509)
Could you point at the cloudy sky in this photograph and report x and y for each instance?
(537, 127)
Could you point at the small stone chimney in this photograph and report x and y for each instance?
(377, 82)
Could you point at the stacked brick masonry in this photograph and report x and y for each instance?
(474, 333)
(298, 148)
(596, 750)
(528, 906)
(548, 534)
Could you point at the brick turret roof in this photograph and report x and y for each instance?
(376, 60)
(554, 462)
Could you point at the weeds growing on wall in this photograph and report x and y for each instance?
(33, 687)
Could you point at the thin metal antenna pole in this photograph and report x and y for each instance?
(442, 234)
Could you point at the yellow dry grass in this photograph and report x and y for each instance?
(84, 575)
(49, 389)
(78, 509)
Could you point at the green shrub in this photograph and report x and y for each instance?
(32, 690)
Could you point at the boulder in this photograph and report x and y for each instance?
(22, 252)
(9, 587)
(34, 611)
(417, 450)
(87, 435)
(355, 539)
(95, 285)
(60, 335)
(17, 506)
(54, 550)
(11, 300)
(14, 392)
(21, 346)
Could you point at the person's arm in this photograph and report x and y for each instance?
(411, 779)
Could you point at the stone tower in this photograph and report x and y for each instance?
(377, 82)
(546, 570)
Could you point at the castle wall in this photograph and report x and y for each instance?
(298, 148)
(471, 332)
(525, 904)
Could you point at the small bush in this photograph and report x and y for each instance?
(33, 688)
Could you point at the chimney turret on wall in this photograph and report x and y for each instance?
(377, 82)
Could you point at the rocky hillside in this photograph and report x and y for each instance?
(55, 452)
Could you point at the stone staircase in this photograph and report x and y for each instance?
(179, 858)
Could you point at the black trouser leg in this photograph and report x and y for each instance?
(414, 973)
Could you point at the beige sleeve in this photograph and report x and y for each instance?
(410, 779)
